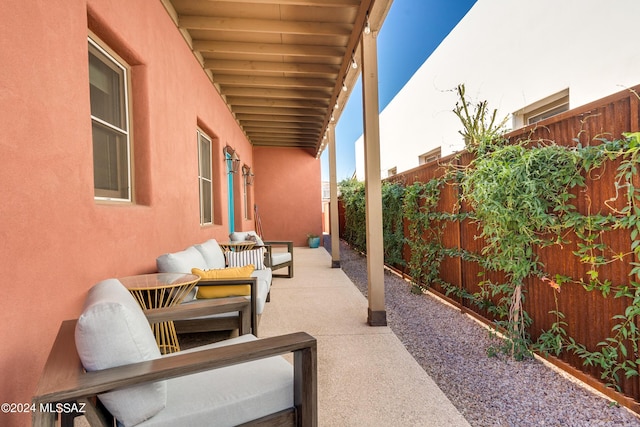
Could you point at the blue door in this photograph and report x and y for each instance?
(230, 195)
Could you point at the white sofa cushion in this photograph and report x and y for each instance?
(227, 396)
(113, 331)
(181, 262)
(241, 236)
(212, 254)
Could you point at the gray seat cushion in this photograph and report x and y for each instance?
(278, 258)
(227, 396)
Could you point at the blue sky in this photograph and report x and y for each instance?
(410, 33)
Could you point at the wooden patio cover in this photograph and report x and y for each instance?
(282, 66)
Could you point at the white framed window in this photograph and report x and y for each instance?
(205, 180)
(542, 109)
(430, 156)
(109, 87)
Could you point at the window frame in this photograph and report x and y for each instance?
(542, 109)
(430, 156)
(99, 49)
(201, 135)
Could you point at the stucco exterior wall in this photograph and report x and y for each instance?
(289, 208)
(56, 240)
(512, 54)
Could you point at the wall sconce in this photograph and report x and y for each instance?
(231, 159)
(248, 175)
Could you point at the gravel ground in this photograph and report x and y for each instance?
(496, 391)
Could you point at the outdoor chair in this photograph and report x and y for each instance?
(237, 381)
(273, 259)
(208, 256)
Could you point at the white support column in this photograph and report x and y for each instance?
(333, 201)
(377, 315)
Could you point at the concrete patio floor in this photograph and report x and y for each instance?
(366, 377)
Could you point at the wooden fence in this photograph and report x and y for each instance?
(588, 314)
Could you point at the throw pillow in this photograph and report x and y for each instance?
(112, 331)
(223, 291)
(246, 235)
(242, 258)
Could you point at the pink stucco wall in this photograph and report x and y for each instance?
(56, 241)
(288, 193)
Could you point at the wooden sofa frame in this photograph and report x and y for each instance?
(223, 323)
(64, 380)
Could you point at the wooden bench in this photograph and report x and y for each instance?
(64, 381)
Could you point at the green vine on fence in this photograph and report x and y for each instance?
(425, 238)
(355, 230)
(521, 197)
(618, 353)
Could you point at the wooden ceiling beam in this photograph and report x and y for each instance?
(211, 23)
(277, 143)
(253, 92)
(215, 46)
(218, 65)
(325, 3)
(268, 81)
(282, 137)
(262, 102)
(298, 112)
(315, 127)
(288, 136)
(267, 117)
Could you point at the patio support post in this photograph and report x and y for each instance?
(377, 315)
(333, 201)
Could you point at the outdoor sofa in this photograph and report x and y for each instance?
(110, 352)
(209, 257)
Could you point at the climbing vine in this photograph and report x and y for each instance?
(425, 239)
(393, 223)
(355, 230)
(618, 353)
(521, 197)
